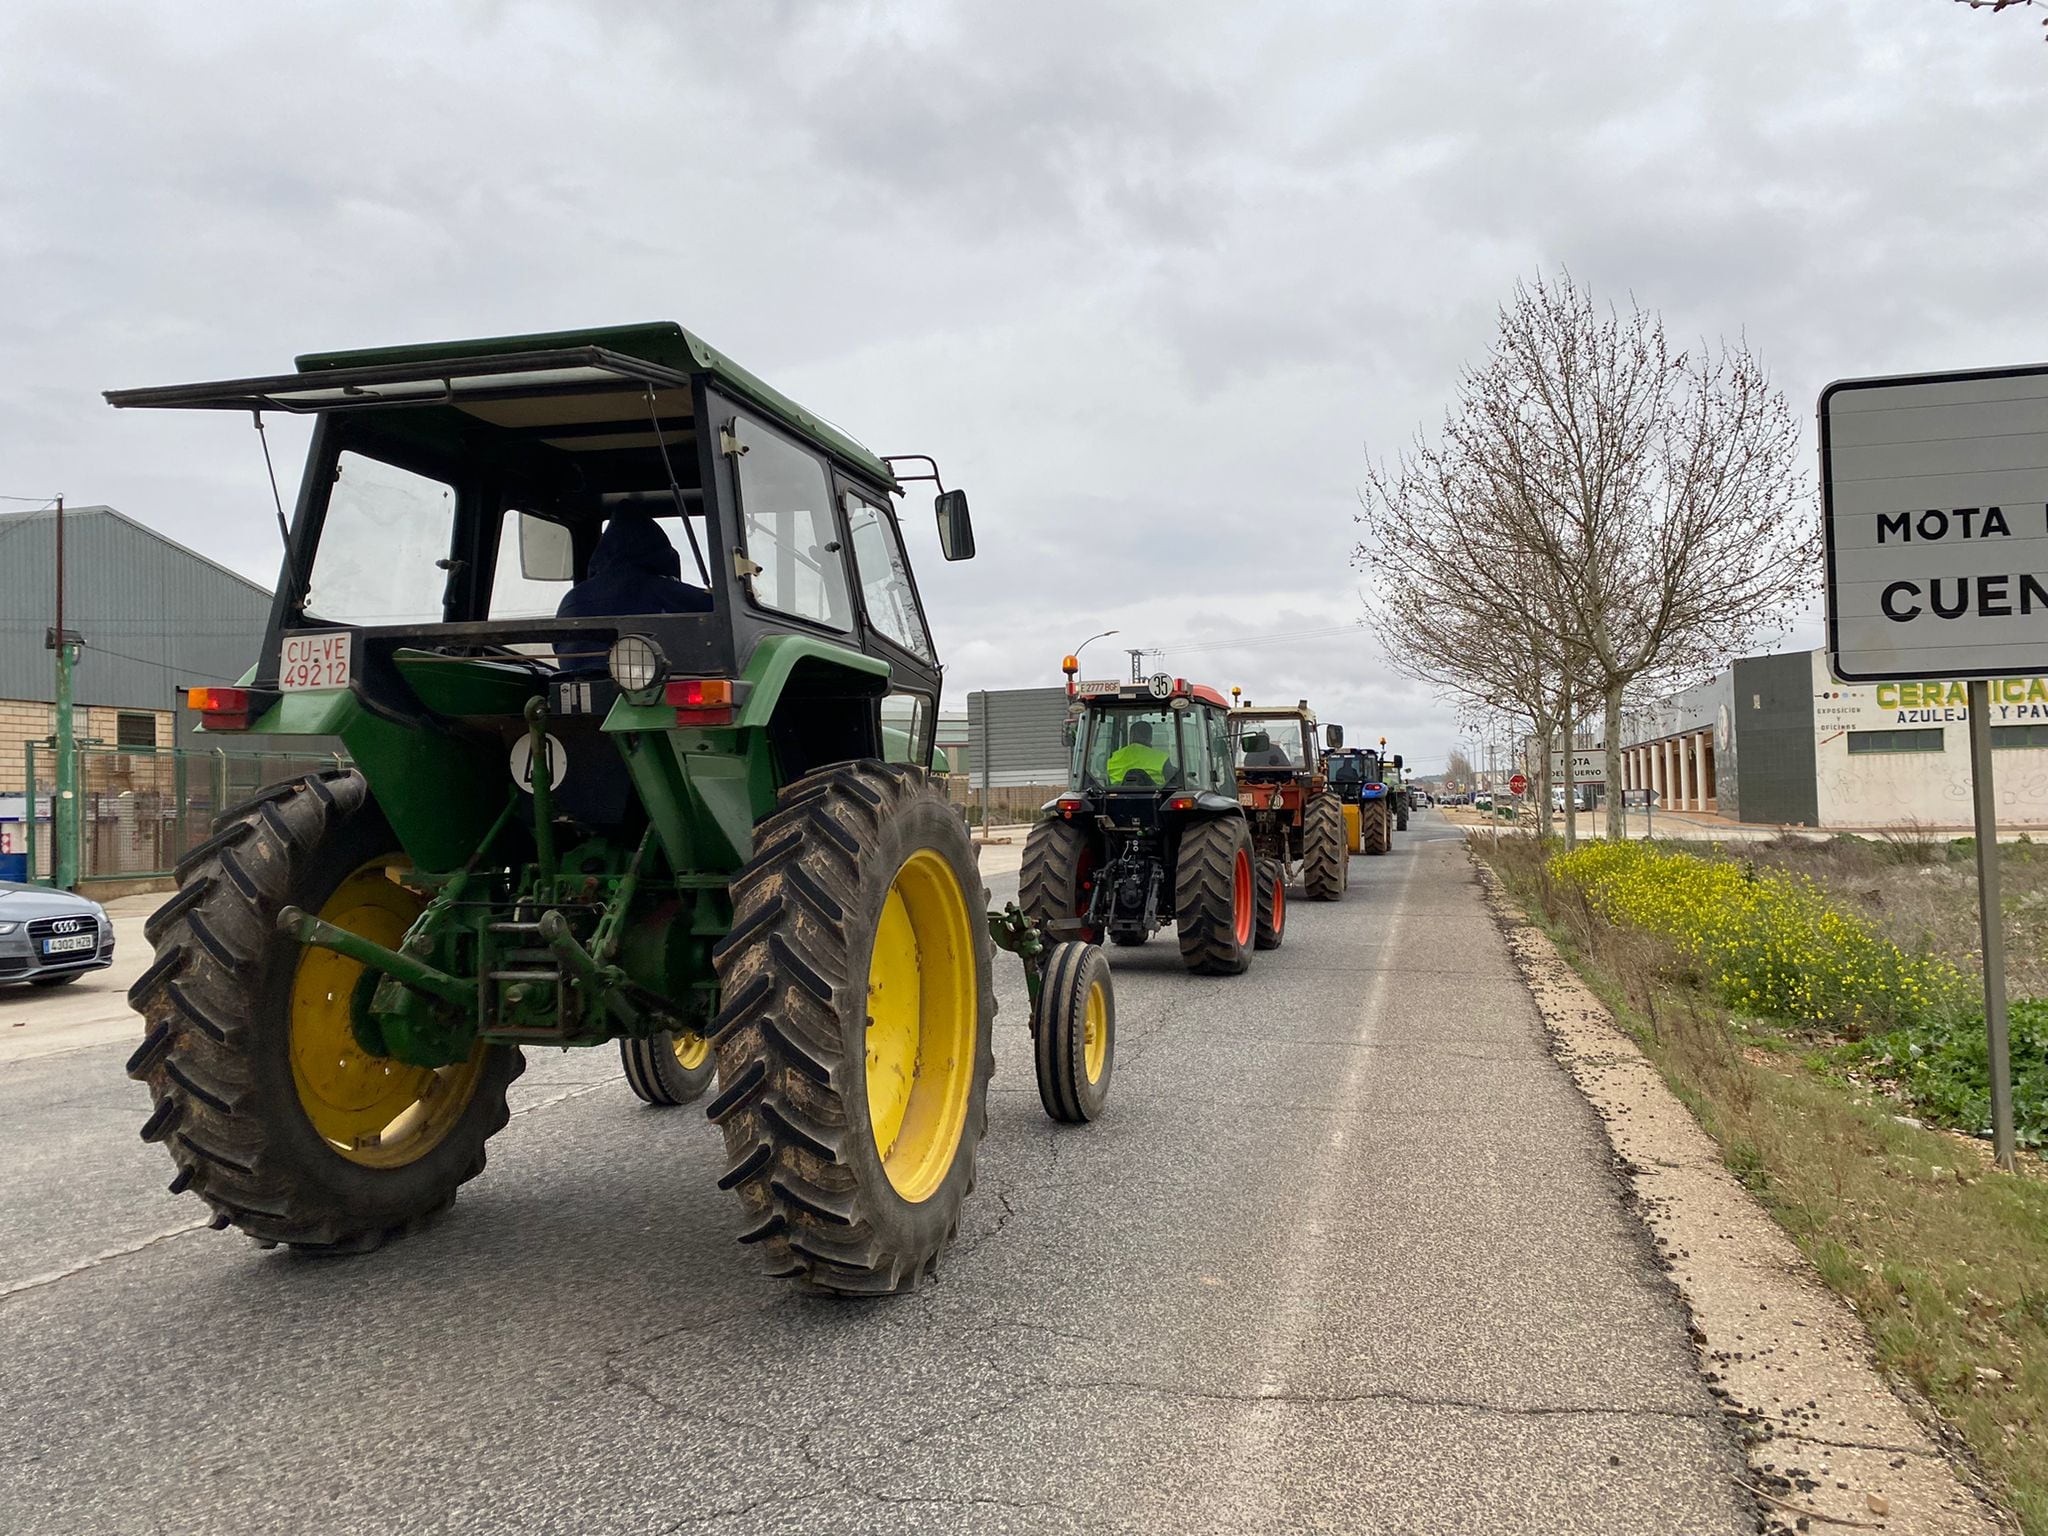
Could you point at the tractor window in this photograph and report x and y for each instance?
(1133, 749)
(787, 526)
(514, 594)
(383, 546)
(1273, 743)
(907, 729)
(885, 589)
(1218, 726)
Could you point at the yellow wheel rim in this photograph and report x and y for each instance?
(370, 1109)
(1095, 1033)
(922, 1025)
(692, 1051)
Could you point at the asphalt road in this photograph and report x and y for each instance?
(1346, 1253)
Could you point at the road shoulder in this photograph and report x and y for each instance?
(1827, 1438)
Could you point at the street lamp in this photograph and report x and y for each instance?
(1071, 664)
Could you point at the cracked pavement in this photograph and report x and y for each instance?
(1348, 1252)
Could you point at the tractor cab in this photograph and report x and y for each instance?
(1295, 820)
(620, 526)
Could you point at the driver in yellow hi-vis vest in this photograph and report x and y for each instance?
(1138, 754)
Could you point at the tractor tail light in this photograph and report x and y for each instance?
(701, 700)
(220, 709)
(1181, 803)
(1069, 804)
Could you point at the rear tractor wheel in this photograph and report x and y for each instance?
(1272, 914)
(1214, 904)
(1057, 878)
(1073, 1029)
(274, 1113)
(1325, 852)
(667, 1068)
(853, 1040)
(1376, 829)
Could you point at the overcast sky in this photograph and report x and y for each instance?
(1146, 279)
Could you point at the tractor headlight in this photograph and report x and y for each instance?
(636, 663)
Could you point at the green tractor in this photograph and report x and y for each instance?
(607, 626)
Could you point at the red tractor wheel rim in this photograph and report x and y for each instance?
(1241, 898)
(1279, 905)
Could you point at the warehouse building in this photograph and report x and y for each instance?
(153, 616)
(1778, 739)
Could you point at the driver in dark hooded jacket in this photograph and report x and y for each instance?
(634, 569)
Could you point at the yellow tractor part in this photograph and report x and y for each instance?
(371, 1109)
(922, 1023)
(1352, 836)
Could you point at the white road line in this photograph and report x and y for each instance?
(1300, 1292)
(51, 1277)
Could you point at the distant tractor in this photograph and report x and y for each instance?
(1148, 831)
(610, 629)
(1297, 821)
(1364, 781)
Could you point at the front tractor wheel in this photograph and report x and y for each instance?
(1272, 916)
(1073, 1031)
(667, 1068)
(1057, 878)
(1325, 851)
(854, 1038)
(269, 1106)
(1213, 900)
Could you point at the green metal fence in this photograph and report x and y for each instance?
(142, 809)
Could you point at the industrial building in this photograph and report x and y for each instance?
(152, 616)
(1780, 740)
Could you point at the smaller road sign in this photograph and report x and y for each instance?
(1519, 784)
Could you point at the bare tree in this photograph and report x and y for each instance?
(1646, 503)
(1468, 606)
(2000, 5)
(1458, 769)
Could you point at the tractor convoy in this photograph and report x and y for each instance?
(610, 630)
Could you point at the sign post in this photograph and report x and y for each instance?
(1934, 508)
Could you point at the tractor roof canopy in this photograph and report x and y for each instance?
(571, 380)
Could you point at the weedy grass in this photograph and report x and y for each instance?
(1945, 1259)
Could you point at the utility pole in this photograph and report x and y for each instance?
(64, 811)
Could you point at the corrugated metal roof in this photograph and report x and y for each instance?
(153, 614)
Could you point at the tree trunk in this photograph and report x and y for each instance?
(1543, 728)
(1612, 725)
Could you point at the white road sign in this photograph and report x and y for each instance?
(1934, 495)
(1587, 767)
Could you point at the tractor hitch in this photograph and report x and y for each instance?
(402, 968)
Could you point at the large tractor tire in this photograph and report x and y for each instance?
(853, 1041)
(1214, 904)
(1057, 878)
(273, 1113)
(1271, 927)
(1325, 853)
(1401, 815)
(1073, 1029)
(1376, 826)
(667, 1069)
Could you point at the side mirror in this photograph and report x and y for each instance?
(547, 550)
(956, 528)
(1333, 736)
(1397, 759)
